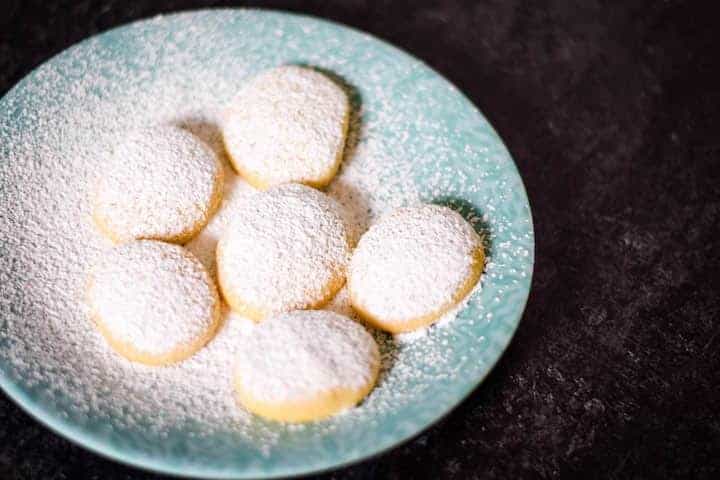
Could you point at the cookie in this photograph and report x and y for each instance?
(305, 365)
(160, 183)
(287, 125)
(154, 302)
(413, 266)
(286, 249)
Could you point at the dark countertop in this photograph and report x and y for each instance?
(612, 113)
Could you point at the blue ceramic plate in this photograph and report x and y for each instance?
(424, 139)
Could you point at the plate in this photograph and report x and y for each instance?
(414, 137)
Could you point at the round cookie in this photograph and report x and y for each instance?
(286, 249)
(287, 124)
(154, 302)
(413, 266)
(306, 365)
(161, 183)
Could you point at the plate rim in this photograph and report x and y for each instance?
(87, 440)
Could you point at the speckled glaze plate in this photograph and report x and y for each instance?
(434, 142)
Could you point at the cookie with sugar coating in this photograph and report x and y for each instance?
(413, 266)
(160, 183)
(287, 124)
(286, 249)
(306, 365)
(154, 302)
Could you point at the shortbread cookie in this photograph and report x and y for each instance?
(154, 302)
(286, 249)
(305, 365)
(287, 125)
(160, 183)
(413, 266)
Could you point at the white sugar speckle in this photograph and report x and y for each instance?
(184, 70)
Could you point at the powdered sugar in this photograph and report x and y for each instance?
(184, 70)
(286, 249)
(154, 296)
(287, 125)
(297, 355)
(413, 262)
(160, 182)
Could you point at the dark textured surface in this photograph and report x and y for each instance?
(612, 113)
